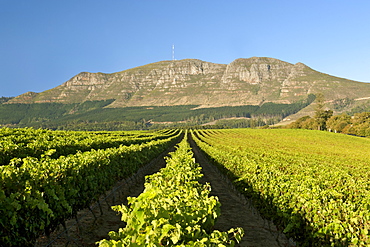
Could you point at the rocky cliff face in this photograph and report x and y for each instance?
(184, 82)
(256, 70)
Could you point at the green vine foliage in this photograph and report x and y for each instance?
(29, 142)
(36, 195)
(314, 185)
(174, 209)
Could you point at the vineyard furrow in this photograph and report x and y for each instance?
(91, 230)
(173, 210)
(236, 210)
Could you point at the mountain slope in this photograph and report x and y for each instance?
(250, 81)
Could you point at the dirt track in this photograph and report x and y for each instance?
(235, 211)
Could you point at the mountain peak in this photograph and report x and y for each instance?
(301, 65)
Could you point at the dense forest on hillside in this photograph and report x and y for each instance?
(92, 115)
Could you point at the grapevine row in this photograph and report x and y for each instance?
(174, 209)
(21, 143)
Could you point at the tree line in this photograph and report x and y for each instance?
(358, 124)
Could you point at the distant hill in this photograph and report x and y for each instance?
(254, 81)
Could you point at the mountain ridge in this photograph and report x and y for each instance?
(244, 81)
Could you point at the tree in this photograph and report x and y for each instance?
(321, 115)
(298, 124)
(338, 123)
(360, 124)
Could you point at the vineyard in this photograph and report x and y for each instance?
(48, 186)
(174, 209)
(313, 185)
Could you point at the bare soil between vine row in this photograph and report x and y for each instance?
(236, 211)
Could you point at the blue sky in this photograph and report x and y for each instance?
(44, 43)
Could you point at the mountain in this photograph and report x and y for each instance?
(251, 81)
(249, 92)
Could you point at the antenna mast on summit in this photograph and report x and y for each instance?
(173, 52)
